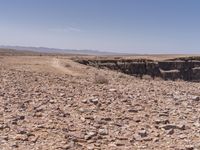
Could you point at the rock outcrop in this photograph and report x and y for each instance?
(185, 69)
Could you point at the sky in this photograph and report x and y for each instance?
(130, 26)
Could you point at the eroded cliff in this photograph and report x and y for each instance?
(187, 69)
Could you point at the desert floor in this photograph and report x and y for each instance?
(53, 103)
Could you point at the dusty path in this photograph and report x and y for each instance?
(65, 67)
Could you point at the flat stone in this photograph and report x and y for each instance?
(161, 121)
(1, 126)
(189, 147)
(82, 110)
(170, 131)
(90, 147)
(122, 138)
(195, 98)
(133, 110)
(90, 134)
(142, 133)
(106, 119)
(21, 137)
(112, 90)
(84, 101)
(94, 100)
(172, 126)
(119, 144)
(103, 131)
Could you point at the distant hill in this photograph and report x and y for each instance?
(11, 52)
(58, 51)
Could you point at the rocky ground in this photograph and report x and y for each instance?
(49, 103)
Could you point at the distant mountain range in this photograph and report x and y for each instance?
(60, 51)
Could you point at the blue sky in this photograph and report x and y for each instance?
(136, 26)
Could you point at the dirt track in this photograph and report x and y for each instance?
(55, 103)
(65, 67)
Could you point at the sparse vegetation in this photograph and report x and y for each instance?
(100, 79)
(86, 104)
(122, 76)
(67, 65)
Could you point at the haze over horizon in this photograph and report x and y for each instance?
(131, 26)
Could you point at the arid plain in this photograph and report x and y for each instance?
(52, 102)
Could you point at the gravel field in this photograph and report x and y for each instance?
(53, 103)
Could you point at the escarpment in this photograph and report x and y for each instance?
(187, 69)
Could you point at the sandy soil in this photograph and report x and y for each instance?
(53, 103)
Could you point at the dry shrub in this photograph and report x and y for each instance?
(99, 79)
(87, 68)
(158, 79)
(121, 76)
(147, 77)
(67, 65)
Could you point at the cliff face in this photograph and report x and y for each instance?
(185, 69)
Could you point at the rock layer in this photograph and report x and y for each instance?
(185, 69)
